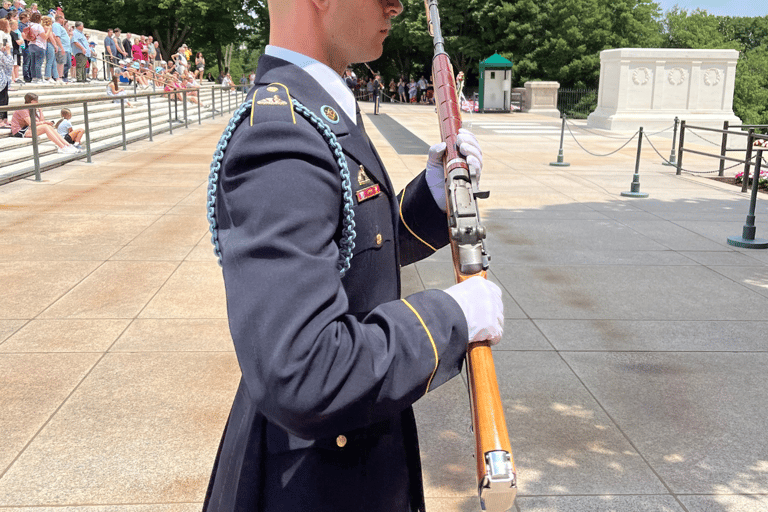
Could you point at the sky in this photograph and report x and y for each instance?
(720, 7)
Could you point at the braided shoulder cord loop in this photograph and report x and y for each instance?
(213, 177)
(347, 242)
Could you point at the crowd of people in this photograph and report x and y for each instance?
(400, 91)
(46, 49)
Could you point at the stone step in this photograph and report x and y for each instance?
(106, 140)
(14, 149)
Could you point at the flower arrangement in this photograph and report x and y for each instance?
(762, 181)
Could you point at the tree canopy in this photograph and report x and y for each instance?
(546, 39)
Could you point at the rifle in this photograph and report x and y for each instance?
(496, 474)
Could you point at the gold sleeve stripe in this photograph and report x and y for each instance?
(408, 227)
(431, 340)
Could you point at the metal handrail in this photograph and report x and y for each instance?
(87, 99)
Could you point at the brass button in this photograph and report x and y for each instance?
(379, 239)
(341, 441)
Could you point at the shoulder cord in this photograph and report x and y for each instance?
(347, 242)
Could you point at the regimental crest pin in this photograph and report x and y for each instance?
(362, 178)
(330, 114)
(274, 100)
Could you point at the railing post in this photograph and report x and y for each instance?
(560, 162)
(747, 239)
(122, 120)
(221, 97)
(149, 116)
(229, 100)
(35, 150)
(184, 102)
(635, 187)
(213, 103)
(680, 149)
(170, 115)
(176, 105)
(747, 160)
(723, 148)
(87, 133)
(672, 157)
(199, 111)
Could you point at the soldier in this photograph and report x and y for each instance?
(331, 357)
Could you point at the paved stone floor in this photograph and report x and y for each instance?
(632, 368)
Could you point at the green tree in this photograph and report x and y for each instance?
(562, 39)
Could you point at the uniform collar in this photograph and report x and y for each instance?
(323, 75)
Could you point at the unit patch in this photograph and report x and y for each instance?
(274, 100)
(330, 114)
(368, 193)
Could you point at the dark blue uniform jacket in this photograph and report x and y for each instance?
(322, 419)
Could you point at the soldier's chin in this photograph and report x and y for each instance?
(370, 56)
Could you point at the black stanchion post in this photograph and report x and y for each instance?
(87, 133)
(747, 161)
(560, 162)
(35, 150)
(723, 148)
(635, 187)
(747, 239)
(149, 116)
(672, 157)
(122, 121)
(680, 148)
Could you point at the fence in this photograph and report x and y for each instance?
(722, 155)
(225, 103)
(577, 103)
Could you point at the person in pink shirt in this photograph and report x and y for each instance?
(136, 50)
(21, 126)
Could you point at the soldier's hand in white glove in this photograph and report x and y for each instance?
(469, 147)
(480, 300)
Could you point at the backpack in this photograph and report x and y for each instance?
(27, 33)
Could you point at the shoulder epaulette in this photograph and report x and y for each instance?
(272, 102)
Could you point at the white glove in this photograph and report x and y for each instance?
(469, 147)
(480, 300)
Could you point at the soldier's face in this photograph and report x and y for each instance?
(361, 26)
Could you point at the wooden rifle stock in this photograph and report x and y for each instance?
(496, 475)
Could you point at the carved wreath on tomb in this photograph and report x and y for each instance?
(712, 76)
(641, 76)
(676, 76)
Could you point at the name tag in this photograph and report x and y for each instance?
(368, 193)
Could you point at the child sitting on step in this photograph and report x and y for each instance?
(64, 127)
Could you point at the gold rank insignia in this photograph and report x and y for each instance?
(362, 178)
(330, 114)
(368, 193)
(274, 100)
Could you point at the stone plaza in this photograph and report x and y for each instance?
(632, 370)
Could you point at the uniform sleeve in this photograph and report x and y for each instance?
(423, 226)
(309, 365)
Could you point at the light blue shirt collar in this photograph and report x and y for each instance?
(325, 76)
